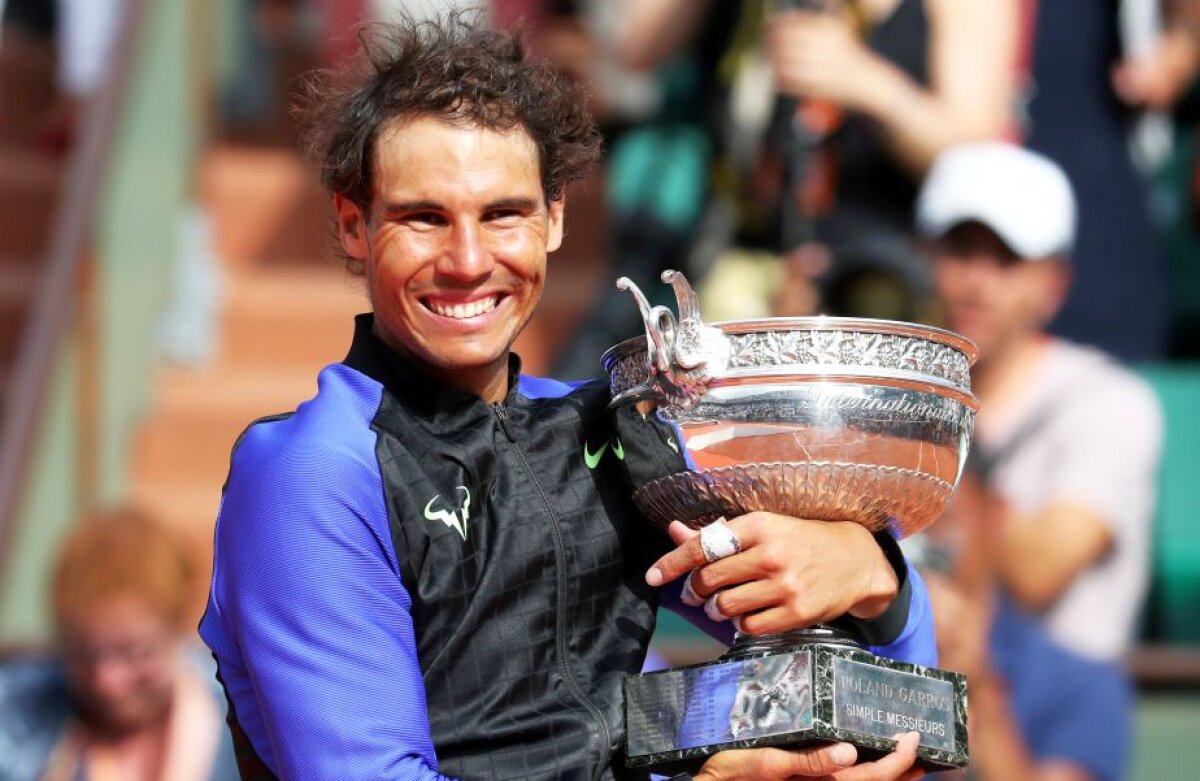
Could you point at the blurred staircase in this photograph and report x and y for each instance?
(286, 311)
(29, 187)
(30, 180)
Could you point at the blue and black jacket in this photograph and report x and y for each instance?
(411, 583)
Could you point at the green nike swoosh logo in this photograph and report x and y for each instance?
(618, 450)
(591, 459)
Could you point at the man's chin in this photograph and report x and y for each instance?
(469, 358)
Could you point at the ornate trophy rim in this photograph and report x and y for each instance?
(801, 349)
(804, 373)
(930, 333)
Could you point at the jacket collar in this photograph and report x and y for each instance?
(405, 381)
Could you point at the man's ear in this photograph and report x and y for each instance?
(557, 213)
(352, 227)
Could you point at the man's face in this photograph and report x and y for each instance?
(454, 245)
(987, 293)
(120, 661)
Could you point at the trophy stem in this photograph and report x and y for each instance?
(820, 634)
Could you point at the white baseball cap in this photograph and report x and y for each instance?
(1022, 196)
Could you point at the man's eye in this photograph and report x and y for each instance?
(425, 218)
(504, 215)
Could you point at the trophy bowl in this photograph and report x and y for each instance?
(825, 418)
(822, 418)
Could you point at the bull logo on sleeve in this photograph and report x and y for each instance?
(436, 510)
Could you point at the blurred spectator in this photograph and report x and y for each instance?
(1069, 440)
(79, 38)
(876, 89)
(121, 699)
(1037, 712)
(926, 76)
(1159, 52)
(657, 171)
(1095, 66)
(913, 78)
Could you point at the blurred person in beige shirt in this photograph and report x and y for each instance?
(1068, 438)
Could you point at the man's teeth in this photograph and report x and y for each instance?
(463, 311)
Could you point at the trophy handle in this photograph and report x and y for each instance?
(660, 328)
(689, 302)
(684, 354)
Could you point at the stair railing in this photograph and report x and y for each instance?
(62, 302)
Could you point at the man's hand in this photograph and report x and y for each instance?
(818, 55)
(790, 574)
(828, 762)
(1158, 77)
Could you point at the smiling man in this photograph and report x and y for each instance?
(434, 566)
(452, 294)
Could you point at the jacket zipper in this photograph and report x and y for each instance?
(560, 558)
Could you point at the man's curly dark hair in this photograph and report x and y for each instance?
(450, 68)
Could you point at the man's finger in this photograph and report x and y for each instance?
(680, 532)
(767, 622)
(746, 567)
(892, 766)
(735, 602)
(680, 561)
(713, 611)
(688, 594)
(689, 555)
(817, 761)
(739, 600)
(777, 764)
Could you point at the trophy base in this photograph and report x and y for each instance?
(797, 689)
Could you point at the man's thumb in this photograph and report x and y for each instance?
(823, 760)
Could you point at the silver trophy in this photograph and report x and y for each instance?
(823, 418)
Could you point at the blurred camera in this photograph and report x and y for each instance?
(881, 276)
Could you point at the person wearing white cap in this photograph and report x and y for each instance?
(1071, 439)
(1066, 449)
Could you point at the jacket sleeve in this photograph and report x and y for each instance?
(915, 642)
(311, 624)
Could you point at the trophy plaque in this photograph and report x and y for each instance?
(823, 418)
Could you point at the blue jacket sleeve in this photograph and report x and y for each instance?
(310, 622)
(916, 642)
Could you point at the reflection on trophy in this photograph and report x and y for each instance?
(821, 418)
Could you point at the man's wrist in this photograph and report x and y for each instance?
(884, 627)
(882, 578)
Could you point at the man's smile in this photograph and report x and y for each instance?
(461, 310)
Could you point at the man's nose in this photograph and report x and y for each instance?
(973, 270)
(467, 255)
